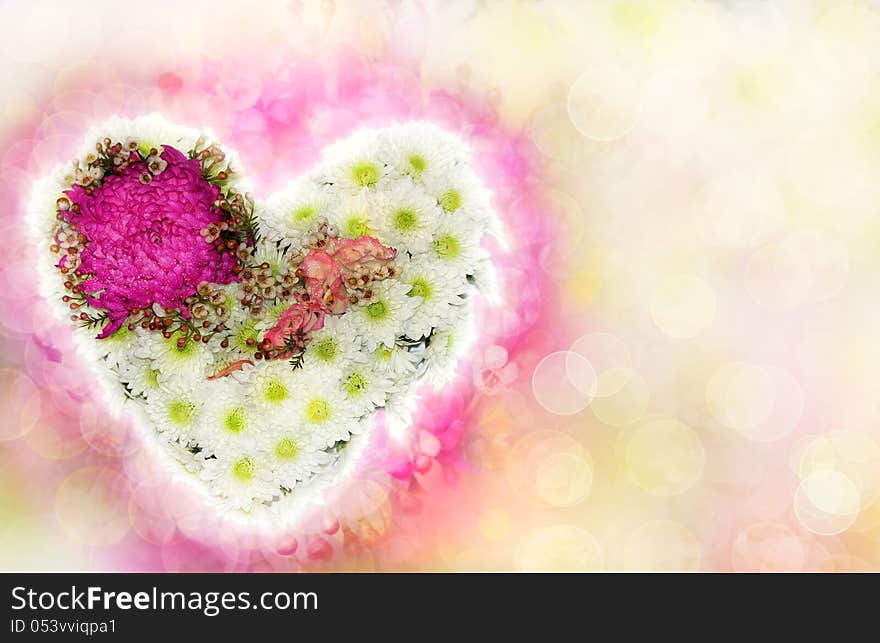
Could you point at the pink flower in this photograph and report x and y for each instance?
(143, 243)
(323, 278)
(326, 271)
(363, 252)
(294, 324)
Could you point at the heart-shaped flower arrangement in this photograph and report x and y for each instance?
(256, 341)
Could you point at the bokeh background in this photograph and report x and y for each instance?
(685, 372)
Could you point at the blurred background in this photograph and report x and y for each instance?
(684, 374)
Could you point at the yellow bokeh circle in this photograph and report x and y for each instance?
(664, 457)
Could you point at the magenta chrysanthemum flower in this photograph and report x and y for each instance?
(144, 245)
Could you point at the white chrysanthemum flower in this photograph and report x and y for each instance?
(334, 346)
(139, 376)
(175, 408)
(192, 361)
(320, 409)
(354, 215)
(418, 150)
(293, 456)
(461, 194)
(295, 214)
(439, 290)
(365, 386)
(230, 422)
(245, 335)
(274, 385)
(120, 347)
(381, 320)
(446, 347)
(397, 362)
(272, 253)
(242, 479)
(182, 452)
(407, 218)
(354, 164)
(457, 246)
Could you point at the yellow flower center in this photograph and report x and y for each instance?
(356, 227)
(355, 383)
(377, 310)
(244, 469)
(180, 412)
(286, 448)
(365, 173)
(405, 219)
(305, 213)
(447, 247)
(417, 164)
(420, 288)
(318, 411)
(325, 349)
(235, 420)
(275, 392)
(450, 200)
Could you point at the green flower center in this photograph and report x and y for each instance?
(276, 310)
(181, 411)
(120, 335)
(377, 310)
(286, 448)
(383, 353)
(245, 332)
(417, 164)
(447, 247)
(355, 383)
(305, 213)
(405, 219)
(325, 349)
(145, 146)
(356, 226)
(184, 352)
(318, 411)
(274, 391)
(234, 420)
(365, 173)
(450, 200)
(152, 378)
(421, 288)
(244, 469)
